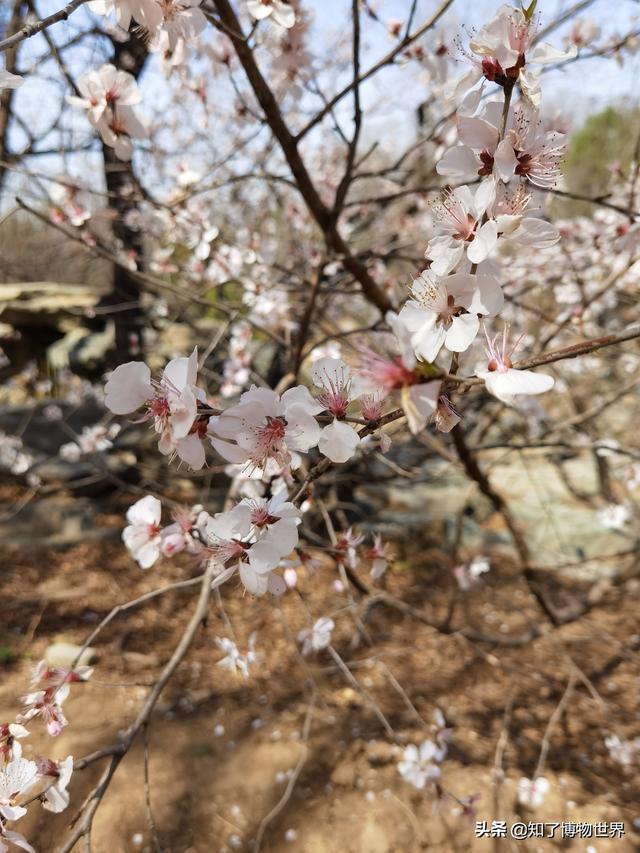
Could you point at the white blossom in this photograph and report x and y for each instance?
(278, 10)
(444, 311)
(318, 637)
(419, 765)
(265, 426)
(142, 534)
(532, 792)
(16, 778)
(504, 381)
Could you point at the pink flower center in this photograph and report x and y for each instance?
(335, 397)
(159, 407)
(270, 441)
(386, 374)
(455, 217)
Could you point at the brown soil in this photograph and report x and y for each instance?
(220, 745)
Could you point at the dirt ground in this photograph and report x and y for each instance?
(223, 748)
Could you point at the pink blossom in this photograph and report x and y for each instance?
(503, 380)
(172, 403)
(265, 426)
(444, 311)
(379, 374)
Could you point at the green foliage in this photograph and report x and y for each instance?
(7, 655)
(604, 139)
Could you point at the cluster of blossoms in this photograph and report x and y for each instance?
(109, 95)
(92, 439)
(503, 148)
(264, 431)
(254, 538)
(24, 780)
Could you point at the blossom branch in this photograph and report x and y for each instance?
(36, 27)
(289, 145)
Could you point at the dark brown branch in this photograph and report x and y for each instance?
(386, 60)
(320, 212)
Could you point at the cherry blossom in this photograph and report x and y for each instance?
(118, 127)
(234, 661)
(185, 532)
(461, 228)
(224, 534)
(108, 95)
(338, 440)
(504, 45)
(275, 529)
(66, 206)
(92, 439)
(182, 20)
(46, 704)
(105, 89)
(260, 533)
(515, 223)
(58, 675)
(267, 427)
(56, 796)
(532, 792)
(527, 150)
(279, 11)
(444, 311)
(318, 637)
(17, 777)
(147, 13)
(503, 380)
(380, 556)
(419, 765)
(379, 374)
(142, 534)
(347, 548)
(172, 403)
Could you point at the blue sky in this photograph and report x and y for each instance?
(582, 88)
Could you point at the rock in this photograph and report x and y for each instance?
(53, 522)
(44, 303)
(65, 654)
